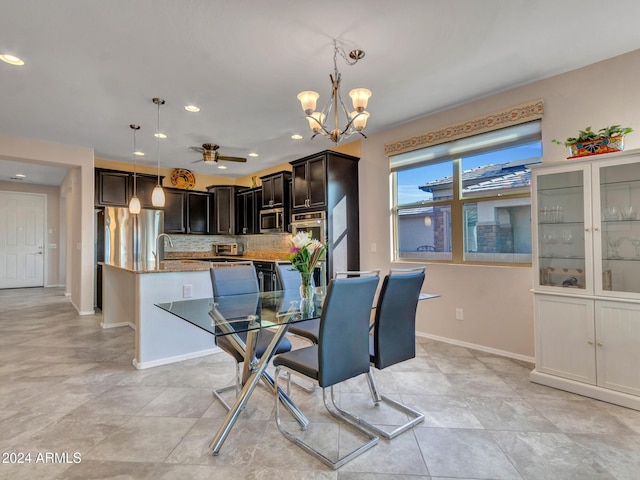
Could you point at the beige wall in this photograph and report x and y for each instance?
(53, 235)
(498, 308)
(77, 192)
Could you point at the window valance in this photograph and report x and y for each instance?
(515, 115)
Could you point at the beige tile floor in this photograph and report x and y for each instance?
(67, 387)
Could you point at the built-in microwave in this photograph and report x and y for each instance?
(272, 221)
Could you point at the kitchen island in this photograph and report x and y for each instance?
(130, 293)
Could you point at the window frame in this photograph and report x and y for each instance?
(457, 206)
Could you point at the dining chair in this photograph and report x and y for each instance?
(289, 279)
(393, 339)
(342, 352)
(239, 278)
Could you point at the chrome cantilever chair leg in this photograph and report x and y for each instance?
(416, 416)
(335, 411)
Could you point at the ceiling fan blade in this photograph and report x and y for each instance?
(197, 161)
(196, 149)
(232, 159)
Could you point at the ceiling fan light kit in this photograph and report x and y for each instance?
(356, 120)
(210, 154)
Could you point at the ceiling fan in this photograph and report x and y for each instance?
(210, 154)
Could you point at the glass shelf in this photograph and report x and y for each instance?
(563, 257)
(579, 223)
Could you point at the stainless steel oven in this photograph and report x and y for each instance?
(272, 220)
(315, 223)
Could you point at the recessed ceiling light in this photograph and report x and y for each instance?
(296, 136)
(159, 135)
(10, 59)
(139, 153)
(221, 167)
(191, 108)
(21, 175)
(253, 154)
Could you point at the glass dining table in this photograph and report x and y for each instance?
(240, 318)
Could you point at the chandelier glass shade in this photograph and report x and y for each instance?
(355, 121)
(157, 196)
(134, 202)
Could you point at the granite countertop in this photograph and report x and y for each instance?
(166, 266)
(248, 255)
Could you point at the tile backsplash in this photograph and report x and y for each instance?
(253, 243)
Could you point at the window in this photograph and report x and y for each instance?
(468, 200)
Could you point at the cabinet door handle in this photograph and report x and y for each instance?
(595, 229)
(586, 229)
(590, 342)
(599, 344)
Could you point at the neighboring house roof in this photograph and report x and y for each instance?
(505, 175)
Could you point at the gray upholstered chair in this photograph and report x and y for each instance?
(342, 353)
(289, 279)
(394, 338)
(239, 279)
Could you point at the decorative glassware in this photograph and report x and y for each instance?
(629, 213)
(611, 213)
(635, 241)
(614, 245)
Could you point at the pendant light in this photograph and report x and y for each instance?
(134, 203)
(157, 197)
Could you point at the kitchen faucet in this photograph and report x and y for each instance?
(156, 254)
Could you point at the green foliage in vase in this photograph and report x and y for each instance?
(588, 134)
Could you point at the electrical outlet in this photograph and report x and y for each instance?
(187, 291)
(373, 247)
(459, 314)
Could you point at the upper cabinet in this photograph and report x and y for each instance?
(248, 205)
(224, 201)
(114, 188)
(275, 190)
(309, 182)
(187, 212)
(587, 226)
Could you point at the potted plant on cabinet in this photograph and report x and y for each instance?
(606, 140)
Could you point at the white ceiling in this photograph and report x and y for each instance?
(92, 67)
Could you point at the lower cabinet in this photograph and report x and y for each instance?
(267, 280)
(589, 346)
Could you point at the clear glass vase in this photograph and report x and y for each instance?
(307, 286)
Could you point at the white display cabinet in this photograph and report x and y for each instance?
(586, 264)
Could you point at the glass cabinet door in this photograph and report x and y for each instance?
(619, 211)
(560, 224)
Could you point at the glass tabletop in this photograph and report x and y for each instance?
(240, 313)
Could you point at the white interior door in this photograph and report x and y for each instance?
(21, 240)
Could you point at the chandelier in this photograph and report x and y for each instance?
(356, 120)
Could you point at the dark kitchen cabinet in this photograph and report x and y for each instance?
(224, 209)
(199, 213)
(275, 189)
(266, 272)
(144, 186)
(309, 183)
(175, 206)
(187, 212)
(248, 204)
(112, 188)
(328, 182)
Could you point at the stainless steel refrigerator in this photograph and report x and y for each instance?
(126, 240)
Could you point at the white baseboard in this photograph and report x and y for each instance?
(120, 324)
(585, 389)
(87, 312)
(177, 358)
(482, 348)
